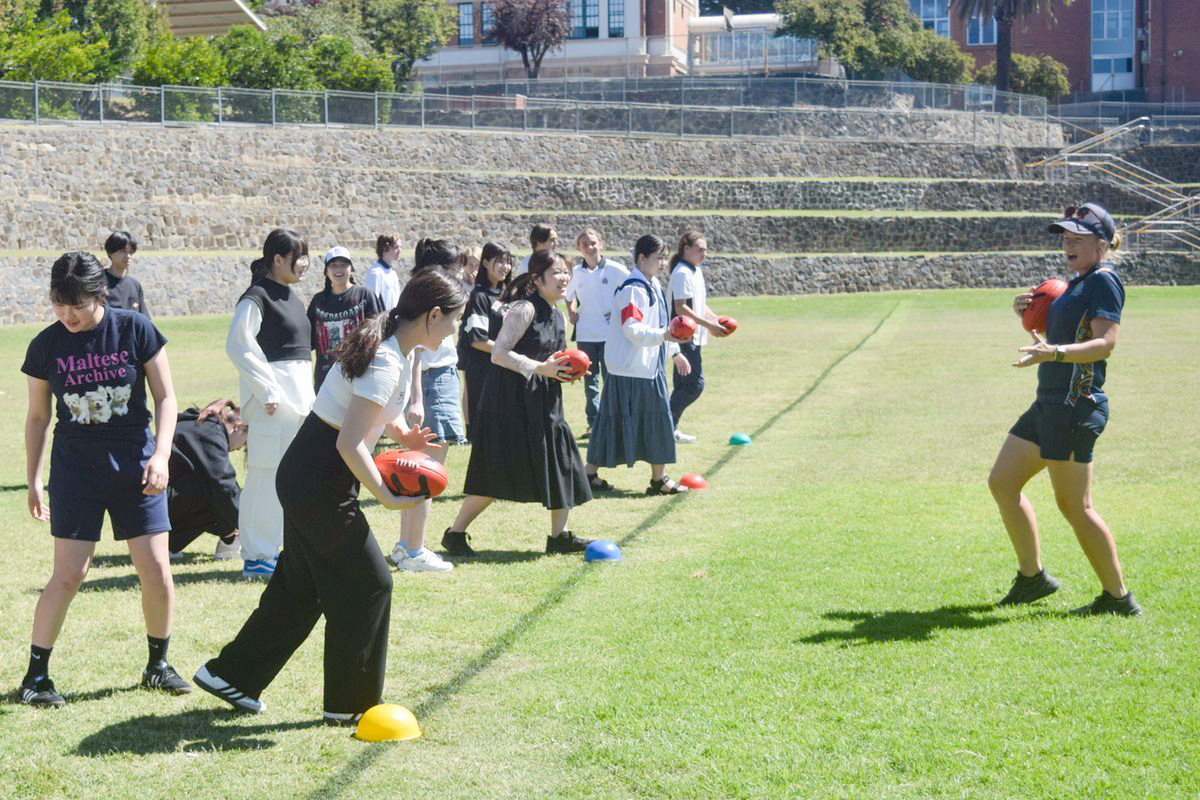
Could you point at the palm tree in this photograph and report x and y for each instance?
(1006, 13)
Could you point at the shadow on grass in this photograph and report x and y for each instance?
(201, 730)
(500, 557)
(872, 627)
(130, 581)
(343, 779)
(13, 487)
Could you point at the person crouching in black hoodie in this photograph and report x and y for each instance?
(203, 493)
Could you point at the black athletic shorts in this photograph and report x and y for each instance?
(1061, 431)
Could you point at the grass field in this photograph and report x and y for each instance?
(817, 624)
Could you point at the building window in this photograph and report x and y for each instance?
(487, 19)
(616, 19)
(466, 24)
(981, 31)
(585, 18)
(1112, 19)
(934, 14)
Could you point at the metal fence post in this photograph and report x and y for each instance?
(731, 122)
(629, 121)
(473, 112)
(375, 119)
(577, 116)
(100, 103)
(325, 96)
(422, 109)
(220, 108)
(681, 119)
(162, 106)
(37, 110)
(272, 107)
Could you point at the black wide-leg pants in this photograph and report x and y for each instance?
(330, 565)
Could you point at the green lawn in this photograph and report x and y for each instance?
(816, 624)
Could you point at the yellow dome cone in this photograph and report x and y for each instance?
(388, 722)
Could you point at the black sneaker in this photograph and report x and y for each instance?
(1105, 603)
(338, 719)
(566, 542)
(41, 694)
(455, 543)
(165, 677)
(1027, 589)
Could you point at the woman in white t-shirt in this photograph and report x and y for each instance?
(331, 564)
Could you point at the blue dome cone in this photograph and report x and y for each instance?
(602, 550)
(740, 438)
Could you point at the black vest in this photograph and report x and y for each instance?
(285, 334)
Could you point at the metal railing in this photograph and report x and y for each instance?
(766, 92)
(1122, 137)
(46, 101)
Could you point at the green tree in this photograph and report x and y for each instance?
(938, 60)
(406, 31)
(1042, 76)
(49, 49)
(337, 66)
(123, 24)
(194, 61)
(1006, 13)
(255, 60)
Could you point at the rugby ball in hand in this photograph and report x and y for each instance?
(683, 327)
(577, 363)
(408, 473)
(1034, 316)
(728, 323)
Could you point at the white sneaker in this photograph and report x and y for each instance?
(225, 552)
(684, 438)
(424, 561)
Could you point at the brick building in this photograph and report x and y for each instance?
(1143, 49)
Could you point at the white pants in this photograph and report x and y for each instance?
(260, 517)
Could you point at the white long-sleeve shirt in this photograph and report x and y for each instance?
(285, 382)
(636, 329)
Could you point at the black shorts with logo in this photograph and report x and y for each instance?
(1063, 431)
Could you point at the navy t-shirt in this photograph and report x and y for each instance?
(98, 376)
(1097, 293)
(125, 292)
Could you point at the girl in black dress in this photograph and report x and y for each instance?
(481, 323)
(524, 450)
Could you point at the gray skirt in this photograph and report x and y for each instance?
(634, 423)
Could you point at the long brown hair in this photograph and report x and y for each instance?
(432, 289)
(688, 239)
(522, 286)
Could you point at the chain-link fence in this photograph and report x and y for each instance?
(47, 101)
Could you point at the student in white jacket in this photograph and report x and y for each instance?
(268, 342)
(634, 423)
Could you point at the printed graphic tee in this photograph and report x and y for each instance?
(98, 377)
(333, 318)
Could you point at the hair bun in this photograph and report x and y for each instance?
(1115, 244)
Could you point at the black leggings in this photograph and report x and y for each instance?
(330, 565)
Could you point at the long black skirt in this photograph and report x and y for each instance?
(521, 447)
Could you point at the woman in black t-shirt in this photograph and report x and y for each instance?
(481, 323)
(337, 310)
(95, 362)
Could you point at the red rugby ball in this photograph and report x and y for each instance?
(1034, 317)
(728, 323)
(411, 472)
(577, 362)
(683, 327)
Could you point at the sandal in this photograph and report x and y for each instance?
(598, 484)
(665, 485)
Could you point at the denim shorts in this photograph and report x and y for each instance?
(443, 403)
(88, 478)
(1061, 431)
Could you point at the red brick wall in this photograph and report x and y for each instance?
(1066, 35)
(1172, 71)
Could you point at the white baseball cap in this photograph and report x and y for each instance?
(338, 252)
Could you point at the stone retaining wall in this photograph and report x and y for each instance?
(1176, 162)
(195, 284)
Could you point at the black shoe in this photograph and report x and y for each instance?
(585, 435)
(455, 543)
(598, 484)
(338, 719)
(665, 485)
(1105, 603)
(1028, 589)
(566, 542)
(165, 677)
(41, 694)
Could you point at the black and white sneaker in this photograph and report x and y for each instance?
(334, 718)
(165, 677)
(218, 687)
(1027, 589)
(41, 694)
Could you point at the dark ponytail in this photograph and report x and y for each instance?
(688, 239)
(280, 242)
(437, 253)
(492, 251)
(431, 289)
(522, 287)
(76, 278)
